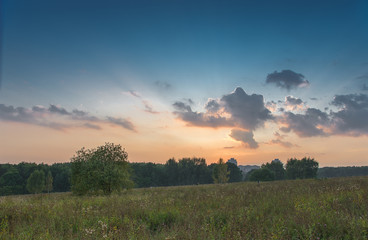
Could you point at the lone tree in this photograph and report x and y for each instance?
(36, 182)
(220, 172)
(301, 169)
(103, 169)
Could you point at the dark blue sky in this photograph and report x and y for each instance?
(218, 43)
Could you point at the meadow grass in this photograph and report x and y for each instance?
(299, 209)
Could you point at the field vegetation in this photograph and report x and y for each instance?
(290, 209)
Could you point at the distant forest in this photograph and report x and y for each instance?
(186, 171)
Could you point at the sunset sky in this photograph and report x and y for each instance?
(252, 80)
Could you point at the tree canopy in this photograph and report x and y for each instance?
(36, 182)
(220, 172)
(277, 168)
(104, 169)
(301, 169)
(262, 174)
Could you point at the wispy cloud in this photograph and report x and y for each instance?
(58, 118)
(122, 122)
(147, 105)
(279, 140)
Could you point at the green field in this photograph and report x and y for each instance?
(299, 209)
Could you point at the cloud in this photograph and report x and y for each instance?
(212, 106)
(186, 114)
(287, 79)
(189, 100)
(58, 118)
(83, 116)
(134, 93)
(279, 140)
(309, 124)
(91, 126)
(235, 109)
(282, 143)
(272, 106)
(247, 111)
(352, 117)
(293, 103)
(147, 105)
(58, 110)
(246, 137)
(290, 100)
(182, 106)
(122, 122)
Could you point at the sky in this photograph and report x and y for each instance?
(250, 80)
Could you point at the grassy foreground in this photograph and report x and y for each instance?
(301, 209)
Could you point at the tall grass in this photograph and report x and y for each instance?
(300, 209)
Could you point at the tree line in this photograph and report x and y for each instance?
(14, 177)
(294, 169)
(106, 169)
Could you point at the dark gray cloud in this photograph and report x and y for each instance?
(40, 109)
(310, 124)
(351, 101)
(45, 117)
(313, 99)
(80, 113)
(212, 106)
(287, 79)
(246, 137)
(83, 116)
(122, 122)
(247, 111)
(19, 114)
(58, 110)
(180, 106)
(186, 114)
(243, 110)
(290, 100)
(352, 118)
